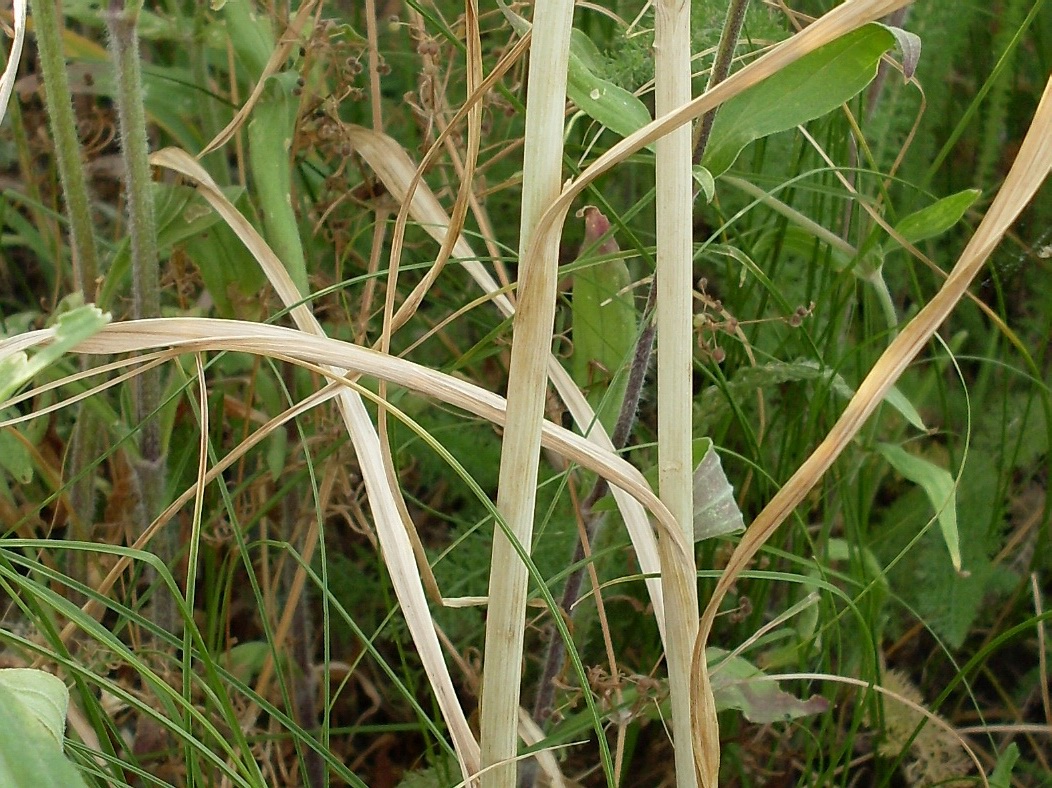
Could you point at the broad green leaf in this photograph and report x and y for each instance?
(32, 721)
(606, 103)
(716, 513)
(938, 485)
(738, 684)
(229, 271)
(807, 89)
(71, 328)
(604, 323)
(183, 213)
(43, 695)
(936, 219)
(250, 34)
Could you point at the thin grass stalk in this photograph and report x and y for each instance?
(122, 24)
(527, 387)
(675, 365)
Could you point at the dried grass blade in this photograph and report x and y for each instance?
(193, 334)
(527, 388)
(1028, 172)
(393, 166)
(7, 79)
(397, 548)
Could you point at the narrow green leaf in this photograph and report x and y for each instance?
(807, 89)
(1001, 776)
(604, 323)
(938, 485)
(936, 219)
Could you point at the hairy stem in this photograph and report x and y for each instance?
(721, 69)
(146, 292)
(63, 124)
(74, 182)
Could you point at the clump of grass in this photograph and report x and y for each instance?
(366, 191)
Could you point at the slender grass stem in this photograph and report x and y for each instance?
(527, 387)
(122, 23)
(676, 366)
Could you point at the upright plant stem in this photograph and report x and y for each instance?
(675, 366)
(58, 100)
(122, 24)
(721, 68)
(527, 386)
(74, 182)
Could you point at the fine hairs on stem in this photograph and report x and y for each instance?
(150, 468)
(70, 164)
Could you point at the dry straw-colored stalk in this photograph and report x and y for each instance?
(527, 388)
(675, 364)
